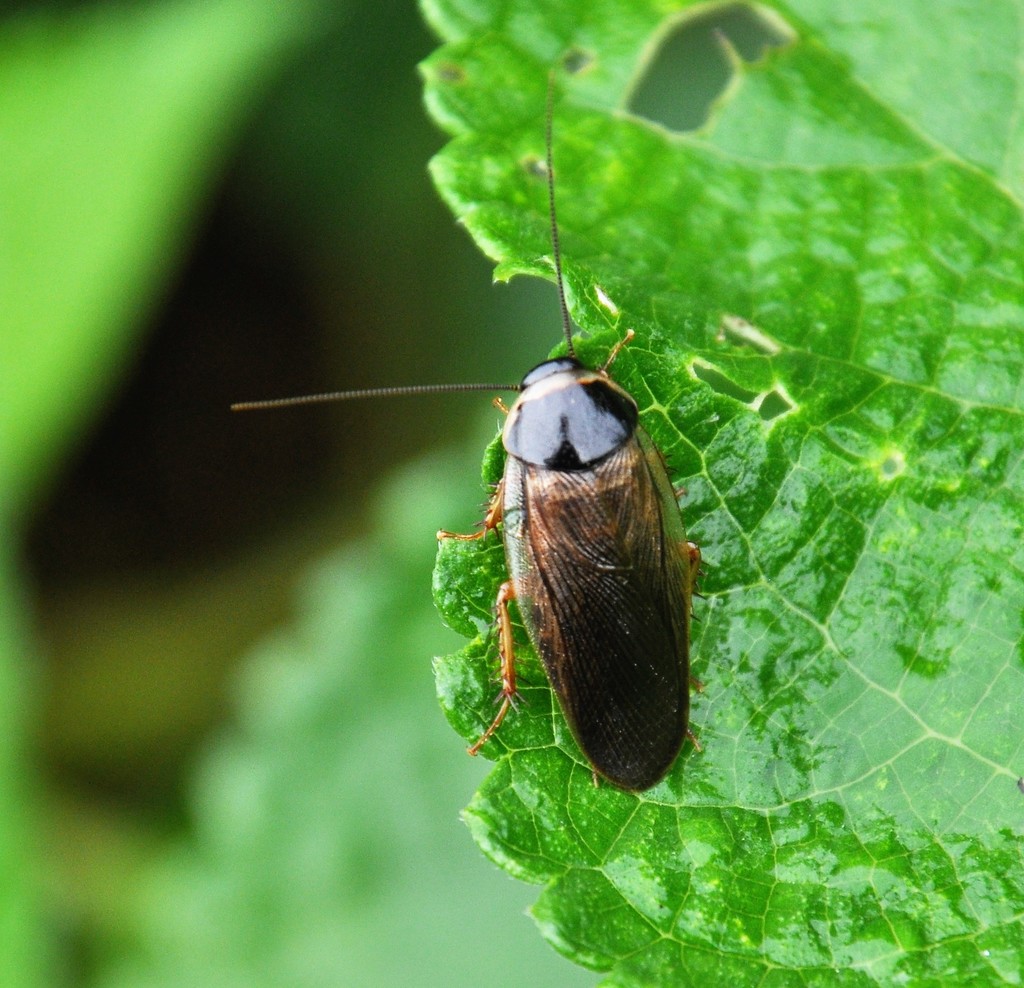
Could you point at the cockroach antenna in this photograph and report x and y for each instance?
(426, 389)
(413, 389)
(566, 322)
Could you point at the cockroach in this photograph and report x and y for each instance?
(598, 559)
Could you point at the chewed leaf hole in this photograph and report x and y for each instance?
(722, 384)
(768, 404)
(774, 404)
(693, 62)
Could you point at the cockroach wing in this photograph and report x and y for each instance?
(601, 571)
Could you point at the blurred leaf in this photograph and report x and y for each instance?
(327, 847)
(826, 287)
(114, 120)
(22, 947)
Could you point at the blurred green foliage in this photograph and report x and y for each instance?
(112, 122)
(115, 120)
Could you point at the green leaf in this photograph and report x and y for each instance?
(826, 287)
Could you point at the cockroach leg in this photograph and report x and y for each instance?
(693, 740)
(500, 405)
(507, 672)
(615, 350)
(691, 552)
(491, 519)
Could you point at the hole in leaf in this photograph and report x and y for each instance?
(576, 60)
(692, 65)
(723, 385)
(773, 404)
(768, 404)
